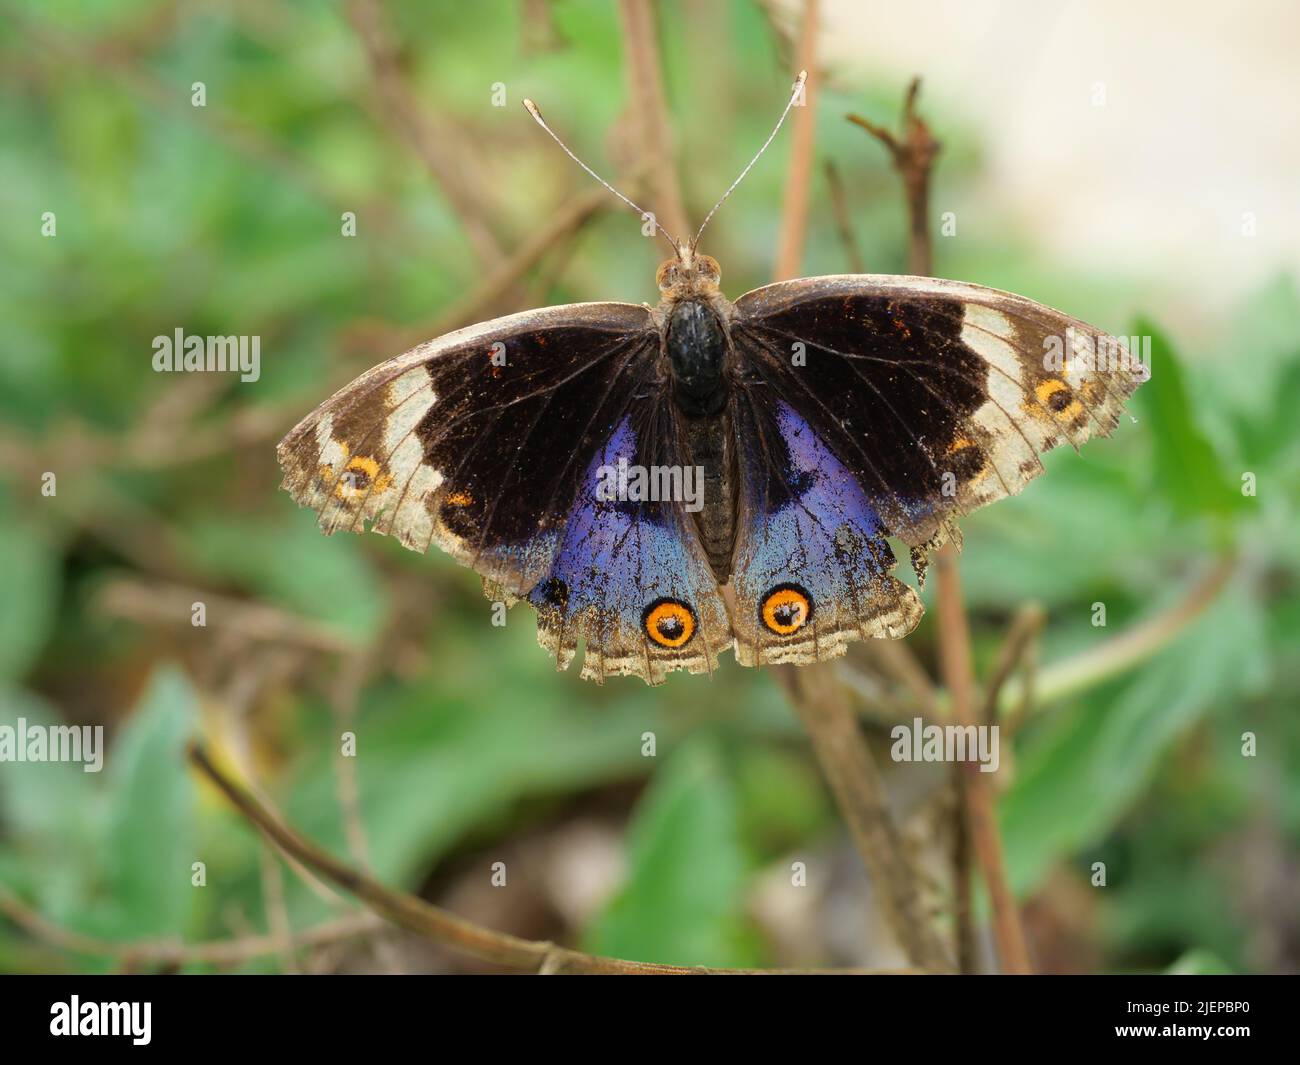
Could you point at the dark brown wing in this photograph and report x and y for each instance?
(475, 441)
(938, 395)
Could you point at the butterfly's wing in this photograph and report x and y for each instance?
(629, 575)
(883, 406)
(487, 442)
(811, 569)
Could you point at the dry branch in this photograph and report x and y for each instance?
(822, 706)
(648, 115)
(421, 917)
(166, 953)
(794, 217)
(913, 153)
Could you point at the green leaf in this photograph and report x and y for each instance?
(30, 595)
(1005, 562)
(686, 871)
(151, 837)
(1084, 768)
(52, 820)
(324, 578)
(1266, 334)
(1200, 963)
(437, 760)
(781, 798)
(1188, 473)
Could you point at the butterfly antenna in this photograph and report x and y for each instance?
(795, 95)
(537, 115)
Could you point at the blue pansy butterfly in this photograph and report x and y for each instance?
(617, 465)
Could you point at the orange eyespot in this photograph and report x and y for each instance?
(966, 459)
(669, 623)
(1058, 398)
(360, 475)
(785, 609)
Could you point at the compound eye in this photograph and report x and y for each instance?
(669, 623)
(786, 609)
(667, 277)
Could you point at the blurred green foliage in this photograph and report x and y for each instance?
(226, 219)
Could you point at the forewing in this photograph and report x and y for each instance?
(938, 395)
(475, 441)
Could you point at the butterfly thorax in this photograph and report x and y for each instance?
(691, 316)
(696, 343)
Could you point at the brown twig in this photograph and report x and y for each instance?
(1019, 638)
(421, 917)
(561, 225)
(1113, 656)
(1016, 645)
(538, 31)
(875, 703)
(241, 697)
(794, 216)
(155, 602)
(402, 108)
(168, 954)
(345, 695)
(648, 115)
(243, 429)
(277, 908)
(547, 278)
(345, 700)
(897, 660)
(843, 220)
(1075, 673)
(913, 154)
(963, 892)
(977, 794)
(842, 752)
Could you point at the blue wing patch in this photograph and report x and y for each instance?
(812, 565)
(629, 576)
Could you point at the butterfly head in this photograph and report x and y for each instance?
(688, 275)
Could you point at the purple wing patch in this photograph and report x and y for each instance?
(812, 565)
(629, 576)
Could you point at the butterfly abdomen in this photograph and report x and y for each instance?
(709, 446)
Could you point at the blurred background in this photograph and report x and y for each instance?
(1133, 170)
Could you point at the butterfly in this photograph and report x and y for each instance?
(621, 466)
